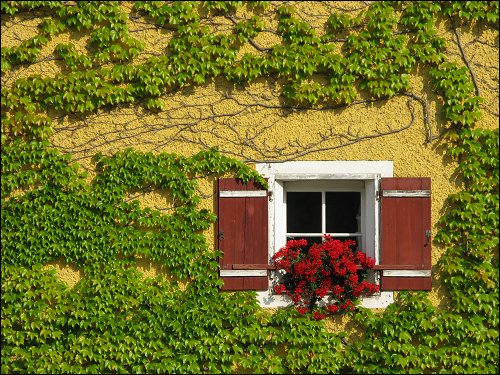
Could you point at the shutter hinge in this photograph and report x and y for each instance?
(427, 237)
(270, 195)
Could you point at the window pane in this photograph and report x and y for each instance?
(303, 212)
(342, 209)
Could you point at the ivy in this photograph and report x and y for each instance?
(222, 6)
(73, 59)
(110, 42)
(472, 11)
(13, 7)
(249, 29)
(113, 320)
(26, 52)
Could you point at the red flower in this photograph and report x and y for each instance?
(360, 257)
(321, 291)
(347, 305)
(318, 316)
(333, 308)
(337, 290)
(352, 267)
(302, 310)
(353, 279)
(279, 289)
(369, 263)
(340, 271)
(310, 273)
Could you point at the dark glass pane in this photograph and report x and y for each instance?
(303, 212)
(341, 211)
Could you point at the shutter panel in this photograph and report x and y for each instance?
(242, 234)
(405, 249)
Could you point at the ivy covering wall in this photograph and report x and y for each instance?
(114, 321)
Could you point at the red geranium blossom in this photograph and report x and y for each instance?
(310, 273)
(318, 316)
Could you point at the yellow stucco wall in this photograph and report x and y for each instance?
(257, 129)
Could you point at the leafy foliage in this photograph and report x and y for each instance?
(112, 320)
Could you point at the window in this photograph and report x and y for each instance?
(326, 207)
(389, 219)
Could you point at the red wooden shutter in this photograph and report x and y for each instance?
(242, 228)
(405, 249)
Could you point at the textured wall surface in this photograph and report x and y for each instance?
(251, 123)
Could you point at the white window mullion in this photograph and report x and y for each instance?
(374, 190)
(323, 212)
(357, 234)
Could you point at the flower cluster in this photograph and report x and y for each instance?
(332, 267)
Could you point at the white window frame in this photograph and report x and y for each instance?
(339, 175)
(322, 187)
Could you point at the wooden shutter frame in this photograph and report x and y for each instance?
(405, 228)
(241, 275)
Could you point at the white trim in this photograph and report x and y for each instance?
(332, 184)
(406, 193)
(367, 173)
(379, 301)
(407, 273)
(270, 300)
(241, 273)
(318, 168)
(242, 193)
(279, 238)
(357, 234)
(373, 206)
(323, 176)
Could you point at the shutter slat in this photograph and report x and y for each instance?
(380, 267)
(248, 266)
(242, 273)
(242, 194)
(406, 273)
(242, 234)
(405, 249)
(406, 193)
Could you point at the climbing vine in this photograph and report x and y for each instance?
(112, 320)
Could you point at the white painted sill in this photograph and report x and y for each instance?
(269, 299)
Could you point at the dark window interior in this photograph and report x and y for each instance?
(341, 211)
(303, 212)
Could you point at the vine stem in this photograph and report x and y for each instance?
(465, 60)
